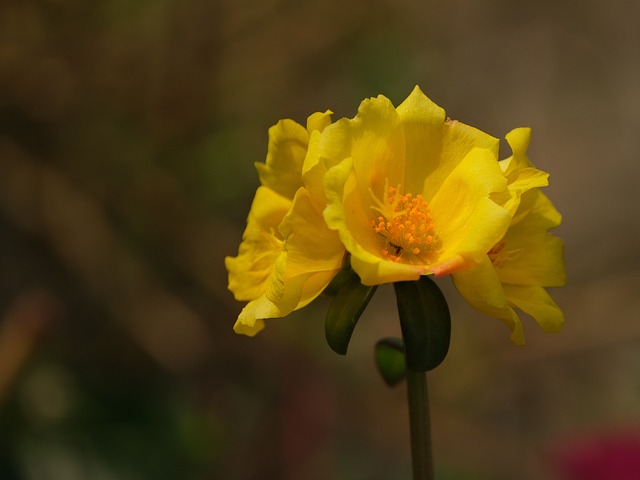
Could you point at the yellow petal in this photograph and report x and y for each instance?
(374, 140)
(423, 123)
(535, 301)
(314, 167)
(482, 289)
(272, 269)
(282, 171)
(541, 262)
(434, 147)
(521, 175)
(250, 319)
(313, 172)
(316, 124)
(319, 121)
(520, 182)
(261, 245)
(518, 139)
(311, 256)
(310, 244)
(458, 141)
(466, 220)
(535, 204)
(270, 304)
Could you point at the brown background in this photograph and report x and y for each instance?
(128, 132)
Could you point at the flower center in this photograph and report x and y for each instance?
(406, 224)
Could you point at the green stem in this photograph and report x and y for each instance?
(420, 425)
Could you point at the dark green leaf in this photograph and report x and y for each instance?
(425, 323)
(344, 312)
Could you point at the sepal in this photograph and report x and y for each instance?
(425, 322)
(345, 311)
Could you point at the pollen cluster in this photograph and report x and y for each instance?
(407, 226)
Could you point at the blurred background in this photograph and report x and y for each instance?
(128, 134)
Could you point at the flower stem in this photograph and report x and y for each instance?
(420, 425)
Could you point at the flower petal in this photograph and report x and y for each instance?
(276, 301)
(313, 172)
(457, 142)
(423, 123)
(518, 139)
(250, 321)
(374, 140)
(482, 289)
(311, 256)
(282, 171)
(314, 168)
(541, 262)
(319, 121)
(434, 147)
(309, 243)
(249, 271)
(466, 220)
(521, 175)
(535, 301)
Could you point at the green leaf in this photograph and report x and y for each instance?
(390, 359)
(344, 313)
(425, 323)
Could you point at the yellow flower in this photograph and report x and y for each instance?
(406, 192)
(288, 255)
(516, 269)
(409, 191)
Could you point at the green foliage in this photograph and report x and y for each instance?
(345, 311)
(425, 322)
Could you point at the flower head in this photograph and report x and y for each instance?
(409, 191)
(405, 192)
(515, 271)
(287, 255)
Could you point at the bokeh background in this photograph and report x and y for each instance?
(128, 133)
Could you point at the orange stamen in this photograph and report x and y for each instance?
(406, 224)
(499, 256)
